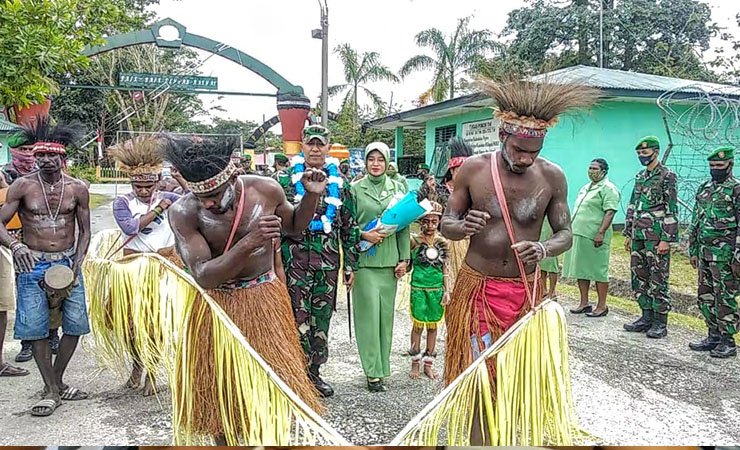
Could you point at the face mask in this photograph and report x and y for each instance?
(595, 175)
(719, 174)
(646, 160)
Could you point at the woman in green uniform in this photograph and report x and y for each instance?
(588, 258)
(374, 291)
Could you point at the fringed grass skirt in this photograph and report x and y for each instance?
(263, 314)
(481, 305)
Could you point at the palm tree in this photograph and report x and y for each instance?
(454, 56)
(358, 71)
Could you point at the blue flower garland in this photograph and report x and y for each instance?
(333, 200)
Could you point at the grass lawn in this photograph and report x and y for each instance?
(98, 200)
(683, 277)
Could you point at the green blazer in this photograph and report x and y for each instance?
(394, 248)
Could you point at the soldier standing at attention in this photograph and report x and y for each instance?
(650, 227)
(714, 248)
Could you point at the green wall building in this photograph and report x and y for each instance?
(610, 130)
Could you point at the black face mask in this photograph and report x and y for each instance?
(720, 174)
(646, 160)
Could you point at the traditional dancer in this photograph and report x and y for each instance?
(225, 230)
(430, 290)
(24, 163)
(142, 217)
(54, 209)
(498, 283)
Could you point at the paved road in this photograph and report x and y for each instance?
(628, 391)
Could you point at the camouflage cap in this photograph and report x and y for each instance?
(422, 166)
(725, 153)
(344, 161)
(648, 142)
(316, 132)
(281, 158)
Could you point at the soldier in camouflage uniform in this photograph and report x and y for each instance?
(651, 225)
(312, 261)
(282, 167)
(714, 248)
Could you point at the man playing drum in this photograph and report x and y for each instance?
(49, 204)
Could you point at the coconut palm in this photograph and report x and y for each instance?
(454, 57)
(359, 70)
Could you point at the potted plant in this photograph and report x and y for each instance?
(41, 39)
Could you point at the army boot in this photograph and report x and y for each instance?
(708, 343)
(642, 324)
(725, 349)
(659, 327)
(322, 386)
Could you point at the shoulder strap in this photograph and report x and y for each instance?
(237, 217)
(501, 198)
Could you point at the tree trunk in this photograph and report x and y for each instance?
(582, 9)
(608, 12)
(356, 106)
(452, 84)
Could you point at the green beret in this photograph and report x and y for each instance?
(18, 140)
(281, 158)
(648, 142)
(422, 166)
(722, 154)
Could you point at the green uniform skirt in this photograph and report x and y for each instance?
(373, 299)
(586, 262)
(551, 265)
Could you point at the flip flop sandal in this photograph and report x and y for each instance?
(49, 406)
(72, 394)
(6, 370)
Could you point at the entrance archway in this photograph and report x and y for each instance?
(292, 104)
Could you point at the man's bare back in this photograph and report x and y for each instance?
(540, 191)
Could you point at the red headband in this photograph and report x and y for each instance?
(457, 161)
(49, 147)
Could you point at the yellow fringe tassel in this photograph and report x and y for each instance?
(147, 298)
(533, 405)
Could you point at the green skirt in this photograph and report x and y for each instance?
(426, 306)
(586, 262)
(551, 265)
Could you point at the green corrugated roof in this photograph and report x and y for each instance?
(7, 126)
(634, 81)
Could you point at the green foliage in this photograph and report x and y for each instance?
(245, 128)
(43, 38)
(659, 37)
(455, 56)
(727, 56)
(83, 172)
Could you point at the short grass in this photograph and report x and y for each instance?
(98, 200)
(683, 277)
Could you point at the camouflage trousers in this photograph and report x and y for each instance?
(717, 297)
(650, 272)
(314, 295)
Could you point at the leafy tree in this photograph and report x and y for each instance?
(359, 70)
(44, 38)
(662, 37)
(728, 63)
(455, 56)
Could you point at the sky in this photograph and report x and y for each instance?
(278, 33)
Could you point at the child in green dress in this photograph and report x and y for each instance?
(429, 290)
